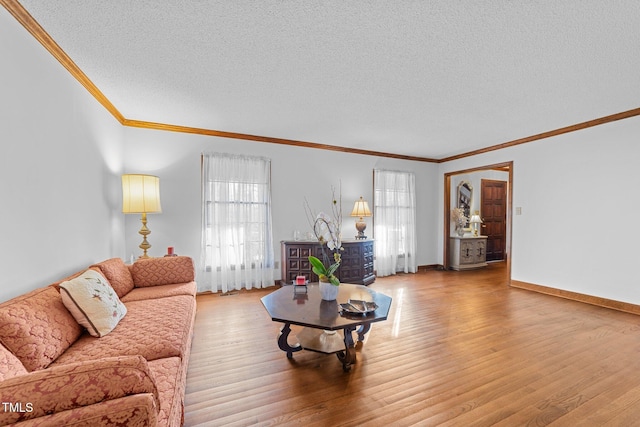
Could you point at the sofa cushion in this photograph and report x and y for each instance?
(163, 271)
(152, 329)
(118, 275)
(161, 291)
(73, 276)
(93, 302)
(10, 366)
(37, 328)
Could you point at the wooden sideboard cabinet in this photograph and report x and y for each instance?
(356, 265)
(468, 252)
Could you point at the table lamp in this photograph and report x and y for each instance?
(141, 195)
(361, 209)
(475, 221)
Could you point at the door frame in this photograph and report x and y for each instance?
(505, 166)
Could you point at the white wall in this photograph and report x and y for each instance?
(297, 173)
(59, 166)
(579, 206)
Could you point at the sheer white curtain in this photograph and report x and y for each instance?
(394, 222)
(237, 243)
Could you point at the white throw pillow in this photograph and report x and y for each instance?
(93, 302)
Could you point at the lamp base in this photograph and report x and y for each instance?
(144, 231)
(361, 226)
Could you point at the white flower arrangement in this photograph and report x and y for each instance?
(459, 218)
(327, 229)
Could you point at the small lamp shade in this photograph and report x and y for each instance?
(361, 209)
(140, 194)
(474, 221)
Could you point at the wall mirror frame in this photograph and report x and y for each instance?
(448, 204)
(464, 200)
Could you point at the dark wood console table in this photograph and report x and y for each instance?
(356, 266)
(322, 320)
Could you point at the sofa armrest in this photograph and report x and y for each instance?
(162, 271)
(137, 410)
(68, 387)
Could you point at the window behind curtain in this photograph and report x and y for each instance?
(394, 222)
(237, 245)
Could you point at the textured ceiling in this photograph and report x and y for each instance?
(418, 78)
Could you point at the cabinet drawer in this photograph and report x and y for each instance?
(298, 252)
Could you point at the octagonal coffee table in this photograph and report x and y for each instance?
(322, 320)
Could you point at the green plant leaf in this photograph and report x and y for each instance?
(332, 269)
(334, 280)
(317, 264)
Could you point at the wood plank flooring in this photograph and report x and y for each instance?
(458, 349)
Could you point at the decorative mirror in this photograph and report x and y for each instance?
(465, 192)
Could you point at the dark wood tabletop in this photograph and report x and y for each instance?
(294, 306)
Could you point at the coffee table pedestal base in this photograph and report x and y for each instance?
(323, 341)
(283, 341)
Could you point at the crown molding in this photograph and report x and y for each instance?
(35, 29)
(573, 128)
(268, 139)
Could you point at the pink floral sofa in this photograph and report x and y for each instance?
(54, 373)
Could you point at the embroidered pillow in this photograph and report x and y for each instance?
(93, 302)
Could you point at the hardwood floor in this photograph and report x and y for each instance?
(458, 349)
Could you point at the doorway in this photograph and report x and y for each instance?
(449, 179)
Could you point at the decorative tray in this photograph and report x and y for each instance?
(355, 306)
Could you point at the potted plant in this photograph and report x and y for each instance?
(327, 228)
(325, 274)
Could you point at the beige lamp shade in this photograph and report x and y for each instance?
(475, 221)
(361, 208)
(140, 194)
